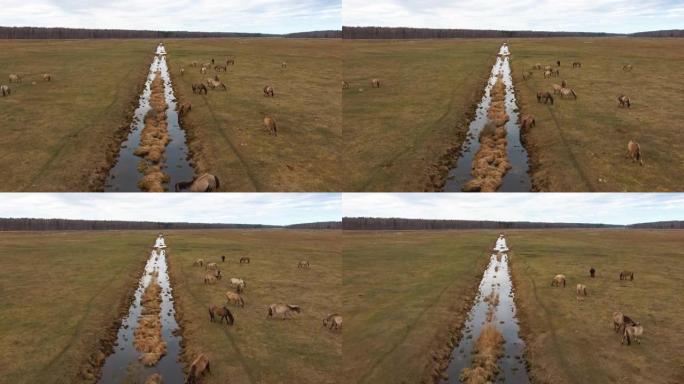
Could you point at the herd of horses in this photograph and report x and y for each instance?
(220, 313)
(15, 78)
(628, 328)
(633, 148)
(215, 83)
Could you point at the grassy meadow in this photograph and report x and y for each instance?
(226, 130)
(402, 292)
(60, 293)
(57, 135)
(257, 349)
(395, 136)
(581, 145)
(572, 341)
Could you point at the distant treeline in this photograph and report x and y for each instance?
(375, 223)
(665, 33)
(318, 225)
(26, 224)
(430, 33)
(79, 33)
(659, 225)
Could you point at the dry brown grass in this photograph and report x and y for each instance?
(148, 336)
(488, 349)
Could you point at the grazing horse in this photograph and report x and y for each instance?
(581, 290)
(203, 70)
(182, 71)
(345, 85)
(333, 321)
(375, 83)
(268, 91)
(558, 63)
(6, 91)
(537, 66)
(235, 298)
(271, 126)
(223, 313)
(547, 68)
(634, 152)
(230, 62)
(14, 78)
(223, 259)
(546, 97)
(204, 183)
(592, 272)
(624, 101)
(577, 64)
(220, 68)
(527, 122)
(244, 259)
(199, 88)
(284, 310)
(212, 61)
(526, 75)
(624, 275)
(210, 278)
(547, 73)
(304, 264)
(620, 321)
(214, 83)
(557, 280)
(47, 77)
(184, 109)
(568, 92)
(627, 67)
(197, 369)
(193, 64)
(283, 65)
(212, 266)
(198, 263)
(564, 83)
(556, 88)
(239, 284)
(632, 331)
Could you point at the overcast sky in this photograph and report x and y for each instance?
(243, 208)
(618, 16)
(616, 208)
(265, 16)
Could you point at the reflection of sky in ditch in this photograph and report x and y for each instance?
(496, 279)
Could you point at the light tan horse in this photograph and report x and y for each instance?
(375, 83)
(47, 77)
(333, 321)
(581, 290)
(271, 126)
(345, 85)
(235, 298)
(627, 67)
(283, 65)
(204, 183)
(284, 310)
(198, 263)
(212, 266)
(558, 280)
(304, 264)
(634, 152)
(210, 278)
(6, 91)
(556, 89)
(632, 332)
(568, 92)
(14, 78)
(197, 369)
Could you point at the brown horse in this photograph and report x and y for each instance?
(620, 321)
(545, 97)
(592, 272)
(235, 298)
(220, 68)
(6, 91)
(568, 92)
(283, 65)
(527, 122)
(627, 67)
(182, 71)
(244, 259)
(556, 88)
(558, 63)
(624, 101)
(581, 290)
(223, 313)
(634, 152)
(558, 280)
(47, 77)
(577, 64)
(345, 85)
(197, 369)
(184, 109)
(204, 183)
(304, 264)
(14, 78)
(268, 91)
(271, 126)
(230, 62)
(526, 75)
(284, 310)
(375, 83)
(199, 88)
(624, 275)
(333, 321)
(632, 332)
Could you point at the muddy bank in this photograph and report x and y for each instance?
(446, 339)
(196, 150)
(490, 163)
(96, 178)
(91, 370)
(437, 172)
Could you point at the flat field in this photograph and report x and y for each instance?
(581, 145)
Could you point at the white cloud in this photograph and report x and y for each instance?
(248, 208)
(266, 16)
(613, 208)
(619, 16)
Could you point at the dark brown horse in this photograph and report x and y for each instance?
(223, 313)
(184, 109)
(577, 64)
(624, 275)
(230, 62)
(268, 91)
(624, 101)
(592, 272)
(223, 259)
(197, 369)
(544, 97)
(199, 88)
(244, 259)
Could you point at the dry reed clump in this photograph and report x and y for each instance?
(148, 336)
(491, 161)
(488, 349)
(492, 302)
(153, 139)
(154, 378)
